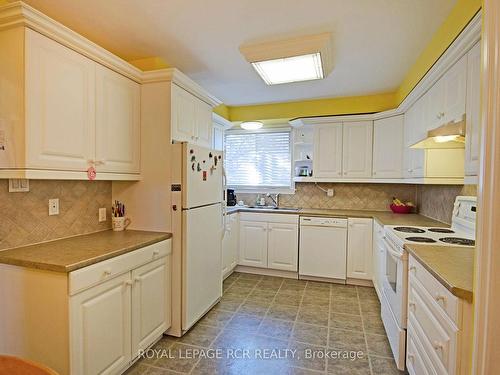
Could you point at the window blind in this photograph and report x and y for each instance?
(258, 160)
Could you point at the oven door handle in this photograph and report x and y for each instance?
(391, 251)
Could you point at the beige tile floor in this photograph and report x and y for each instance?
(261, 312)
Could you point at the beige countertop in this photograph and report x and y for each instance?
(72, 253)
(453, 266)
(383, 217)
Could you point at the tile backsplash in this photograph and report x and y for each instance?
(346, 196)
(434, 201)
(24, 216)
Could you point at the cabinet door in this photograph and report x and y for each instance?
(60, 100)
(218, 137)
(473, 111)
(359, 248)
(282, 248)
(100, 326)
(118, 137)
(388, 147)
(455, 82)
(149, 294)
(434, 110)
(357, 144)
(226, 249)
(233, 241)
(327, 161)
(253, 244)
(203, 123)
(414, 131)
(183, 115)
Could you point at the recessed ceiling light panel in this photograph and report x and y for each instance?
(291, 60)
(290, 69)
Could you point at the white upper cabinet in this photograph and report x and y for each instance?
(414, 131)
(455, 83)
(359, 248)
(327, 160)
(71, 113)
(388, 147)
(118, 143)
(60, 99)
(357, 149)
(473, 111)
(191, 118)
(218, 137)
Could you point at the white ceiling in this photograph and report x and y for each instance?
(375, 42)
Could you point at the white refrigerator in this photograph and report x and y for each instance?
(198, 228)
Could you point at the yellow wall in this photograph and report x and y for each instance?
(222, 110)
(320, 107)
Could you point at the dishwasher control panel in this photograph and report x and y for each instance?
(323, 221)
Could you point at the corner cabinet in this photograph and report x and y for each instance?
(65, 113)
(269, 241)
(359, 248)
(191, 118)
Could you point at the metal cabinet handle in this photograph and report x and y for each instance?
(411, 357)
(128, 283)
(156, 253)
(107, 272)
(137, 279)
(414, 269)
(412, 306)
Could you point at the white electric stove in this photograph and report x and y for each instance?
(395, 280)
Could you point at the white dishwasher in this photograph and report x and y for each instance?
(323, 247)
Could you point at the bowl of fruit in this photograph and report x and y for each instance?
(399, 207)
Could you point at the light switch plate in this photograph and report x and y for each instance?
(19, 185)
(53, 206)
(102, 214)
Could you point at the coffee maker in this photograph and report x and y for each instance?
(231, 197)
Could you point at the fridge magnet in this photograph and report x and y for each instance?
(210, 155)
(198, 167)
(192, 166)
(204, 175)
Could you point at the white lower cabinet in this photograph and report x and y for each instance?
(439, 326)
(253, 244)
(100, 328)
(94, 320)
(230, 245)
(282, 251)
(269, 241)
(378, 257)
(359, 248)
(150, 300)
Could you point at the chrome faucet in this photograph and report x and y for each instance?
(275, 200)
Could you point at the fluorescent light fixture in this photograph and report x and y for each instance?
(251, 125)
(298, 59)
(290, 69)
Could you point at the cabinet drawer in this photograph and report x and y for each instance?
(442, 297)
(439, 332)
(417, 360)
(269, 218)
(102, 271)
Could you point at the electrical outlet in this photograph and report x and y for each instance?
(53, 206)
(329, 192)
(102, 214)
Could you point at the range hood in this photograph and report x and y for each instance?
(450, 135)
